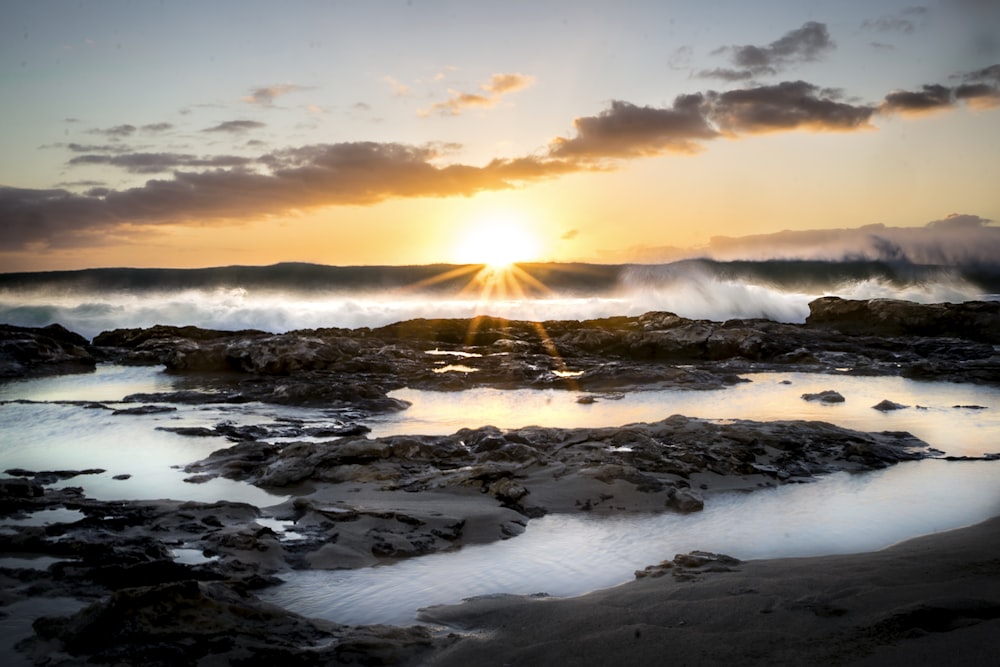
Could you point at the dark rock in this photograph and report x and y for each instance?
(145, 410)
(34, 351)
(887, 406)
(972, 320)
(180, 623)
(828, 396)
(17, 488)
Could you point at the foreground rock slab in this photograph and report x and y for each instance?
(930, 601)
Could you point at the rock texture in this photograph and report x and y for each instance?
(27, 351)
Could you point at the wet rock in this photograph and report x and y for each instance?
(686, 501)
(145, 410)
(686, 567)
(180, 623)
(973, 320)
(18, 488)
(827, 396)
(34, 351)
(887, 406)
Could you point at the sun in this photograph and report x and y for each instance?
(497, 242)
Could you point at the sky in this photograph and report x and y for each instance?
(182, 134)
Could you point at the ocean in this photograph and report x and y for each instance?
(291, 296)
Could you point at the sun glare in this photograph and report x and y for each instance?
(498, 243)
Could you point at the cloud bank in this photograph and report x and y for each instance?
(204, 188)
(957, 240)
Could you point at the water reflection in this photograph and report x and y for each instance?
(932, 414)
(566, 555)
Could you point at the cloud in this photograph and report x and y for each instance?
(116, 132)
(293, 179)
(680, 58)
(157, 127)
(399, 89)
(789, 105)
(932, 97)
(205, 189)
(235, 126)
(95, 148)
(626, 130)
(904, 21)
(957, 239)
(981, 90)
(805, 44)
(265, 95)
(492, 92)
(570, 235)
(151, 163)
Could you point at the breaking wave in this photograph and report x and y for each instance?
(278, 299)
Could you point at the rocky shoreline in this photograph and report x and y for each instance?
(356, 501)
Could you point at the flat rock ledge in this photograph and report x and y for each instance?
(518, 474)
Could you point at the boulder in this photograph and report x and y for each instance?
(33, 351)
(887, 406)
(827, 396)
(972, 320)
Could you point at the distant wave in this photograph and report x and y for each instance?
(286, 297)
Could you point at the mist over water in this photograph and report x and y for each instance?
(276, 300)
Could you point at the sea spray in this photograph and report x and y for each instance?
(288, 297)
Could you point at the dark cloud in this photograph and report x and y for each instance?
(727, 74)
(95, 148)
(804, 44)
(80, 184)
(991, 73)
(235, 126)
(981, 89)
(152, 163)
(116, 132)
(785, 106)
(978, 94)
(297, 179)
(931, 97)
(157, 127)
(627, 130)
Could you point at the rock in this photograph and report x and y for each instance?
(17, 488)
(686, 567)
(828, 396)
(972, 320)
(887, 406)
(178, 623)
(145, 410)
(686, 501)
(34, 351)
